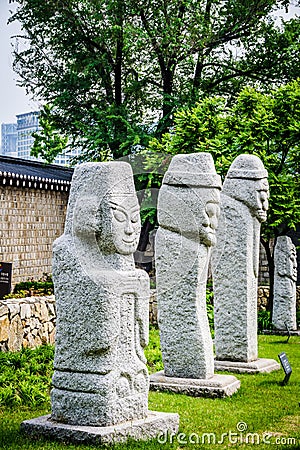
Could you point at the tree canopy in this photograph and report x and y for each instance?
(115, 71)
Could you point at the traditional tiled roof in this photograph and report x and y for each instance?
(36, 175)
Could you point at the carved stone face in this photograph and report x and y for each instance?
(191, 212)
(286, 258)
(115, 223)
(125, 224)
(209, 224)
(262, 195)
(288, 263)
(292, 263)
(253, 193)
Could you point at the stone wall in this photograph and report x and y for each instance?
(27, 322)
(263, 275)
(30, 220)
(153, 307)
(263, 297)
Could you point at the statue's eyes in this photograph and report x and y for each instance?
(135, 218)
(119, 215)
(263, 196)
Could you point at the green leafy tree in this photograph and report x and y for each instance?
(267, 125)
(48, 142)
(115, 71)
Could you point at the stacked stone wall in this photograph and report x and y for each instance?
(263, 275)
(30, 220)
(153, 307)
(263, 297)
(27, 322)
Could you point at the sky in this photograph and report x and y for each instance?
(13, 99)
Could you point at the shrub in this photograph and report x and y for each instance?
(25, 376)
(264, 320)
(44, 286)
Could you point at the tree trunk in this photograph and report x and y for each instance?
(144, 238)
(166, 120)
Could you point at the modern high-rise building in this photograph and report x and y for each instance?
(17, 139)
(27, 124)
(9, 139)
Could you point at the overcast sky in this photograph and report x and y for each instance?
(13, 99)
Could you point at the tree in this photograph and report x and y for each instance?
(115, 71)
(48, 142)
(267, 125)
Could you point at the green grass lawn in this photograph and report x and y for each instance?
(262, 407)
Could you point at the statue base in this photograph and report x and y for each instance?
(217, 386)
(260, 365)
(151, 427)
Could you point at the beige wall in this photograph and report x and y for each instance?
(30, 220)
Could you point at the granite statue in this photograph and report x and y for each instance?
(285, 277)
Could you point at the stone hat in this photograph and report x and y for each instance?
(114, 178)
(247, 166)
(194, 169)
(99, 180)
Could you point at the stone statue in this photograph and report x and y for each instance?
(284, 303)
(100, 377)
(235, 259)
(188, 210)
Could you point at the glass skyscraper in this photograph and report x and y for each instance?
(17, 139)
(9, 139)
(27, 124)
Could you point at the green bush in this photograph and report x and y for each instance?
(153, 351)
(44, 286)
(264, 321)
(25, 376)
(210, 307)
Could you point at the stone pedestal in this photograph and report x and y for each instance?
(150, 427)
(218, 386)
(261, 365)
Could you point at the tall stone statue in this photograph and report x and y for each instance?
(188, 211)
(235, 259)
(100, 376)
(284, 303)
(100, 380)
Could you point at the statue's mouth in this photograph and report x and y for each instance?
(262, 214)
(128, 242)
